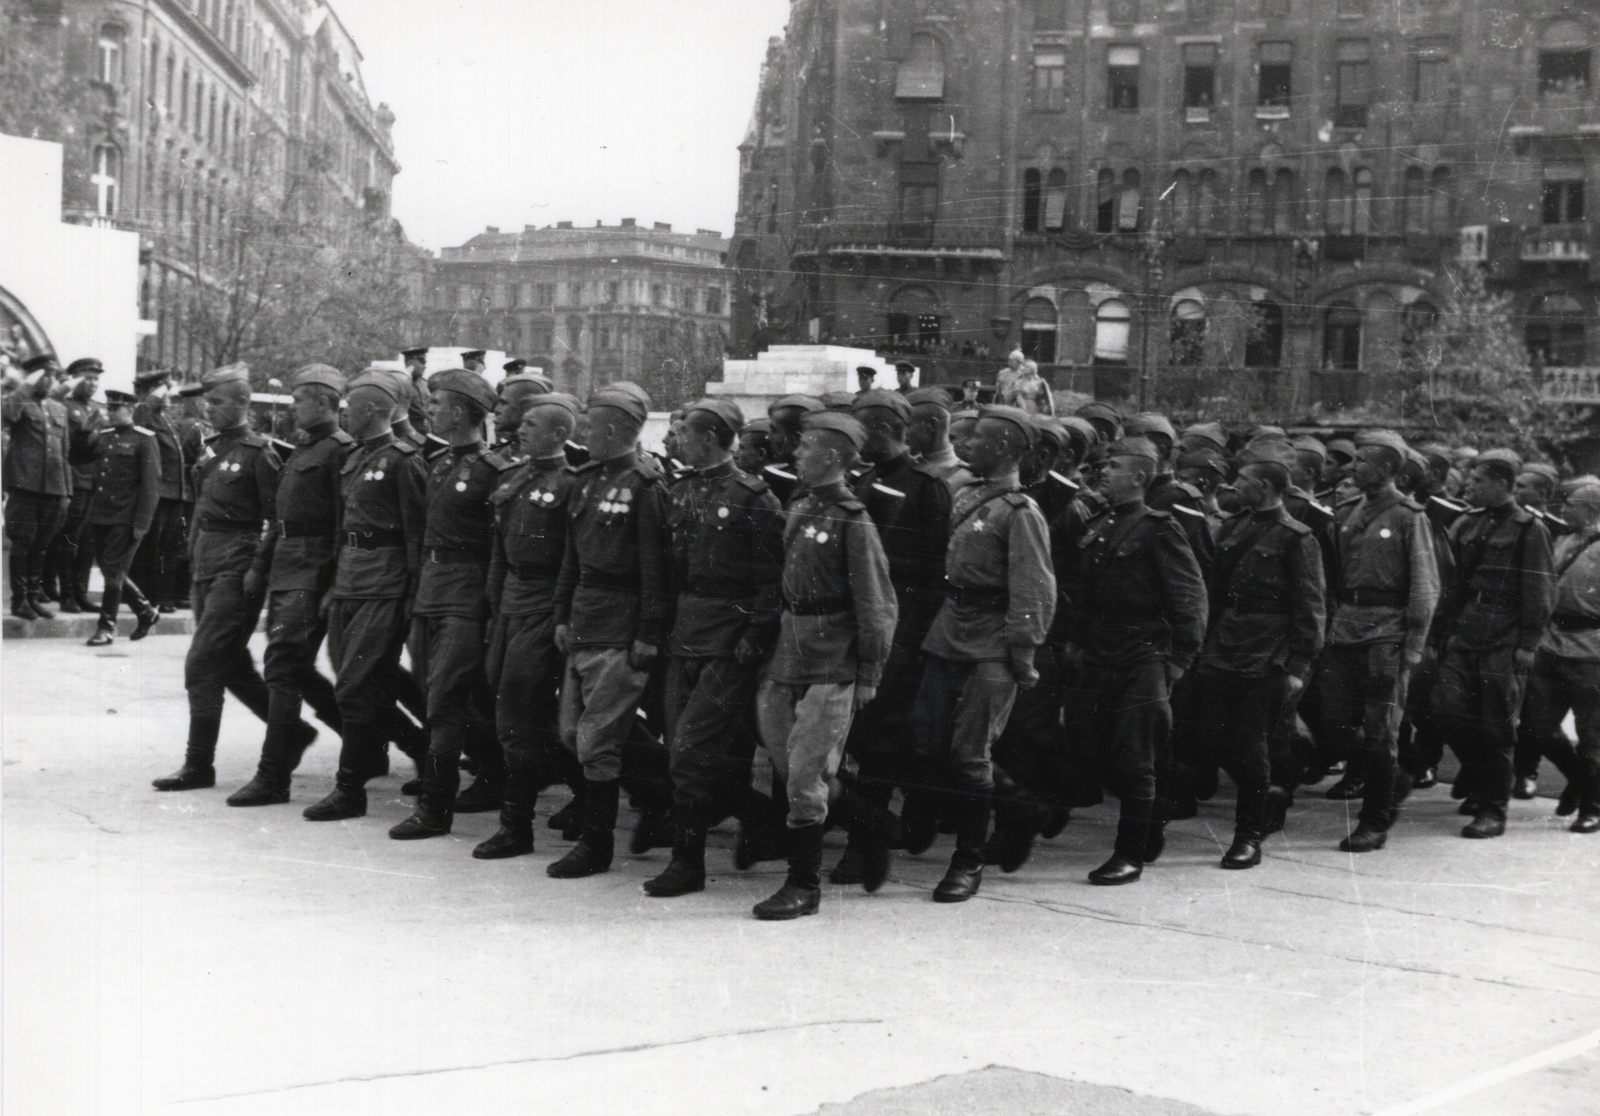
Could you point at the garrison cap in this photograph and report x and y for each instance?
(1051, 428)
(1266, 431)
(889, 400)
(1305, 443)
(1465, 453)
(43, 360)
(934, 396)
(1542, 469)
(725, 410)
(1436, 450)
(396, 385)
(85, 366)
(419, 352)
(807, 403)
(1134, 447)
(1204, 457)
(843, 401)
(1269, 451)
(1342, 446)
(628, 387)
(839, 423)
(463, 382)
(1086, 434)
(518, 380)
(627, 402)
(761, 424)
(1386, 438)
(1016, 416)
(556, 399)
(1149, 424)
(1103, 412)
(1505, 461)
(228, 374)
(473, 354)
(1416, 465)
(1206, 432)
(323, 374)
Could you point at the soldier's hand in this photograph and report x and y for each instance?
(747, 652)
(1413, 659)
(1174, 672)
(1524, 660)
(1295, 684)
(863, 697)
(254, 585)
(642, 655)
(563, 639)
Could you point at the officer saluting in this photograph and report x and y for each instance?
(73, 553)
(127, 484)
(38, 482)
(417, 407)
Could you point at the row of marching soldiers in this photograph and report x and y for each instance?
(889, 596)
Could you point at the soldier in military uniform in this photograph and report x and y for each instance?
(727, 551)
(296, 566)
(1138, 620)
(835, 636)
(612, 605)
(156, 567)
(378, 536)
(928, 435)
(127, 485)
(1536, 492)
(417, 407)
(517, 392)
(72, 556)
(450, 611)
(238, 480)
(38, 482)
(1388, 588)
(524, 665)
(786, 415)
(1267, 610)
(1493, 619)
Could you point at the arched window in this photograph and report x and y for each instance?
(183, 105)
(1032, 199)
(1281, 202)
(1441, 201)
(1256, 201)
(1555, 332)
(772, 206)
(108, 49)
(1337, 216)
(1039, 328)
(1363, 217)
(1417, 319)
(1263, 343)
(1128, 208)
(914, 324)
(1105, 209)
(1111, 328)
(107, 174)
(921, 76)
(1210, 203)
(1412, 196)
(1183, 202)
(1055, 200)
(1341, 338)
(1186, 335)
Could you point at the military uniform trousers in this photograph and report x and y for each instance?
(524, 667)
(600, 696)
(364, 642)
(883, 735)
(804, 728)
(1029, 750)
(1116, 721)
(961, 709)
(161, 554)
(1363, 693)
(711, 733)
(72, 554)
(219, 654)
(1555, 685)
(460, 705)
(1476, 706)
(33, 520)
(113, 546)
(1235, 715)
(1421, 743)
(295, 631)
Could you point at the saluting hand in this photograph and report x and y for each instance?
(641, 655)
(863, 697)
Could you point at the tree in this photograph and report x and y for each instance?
(37, 98)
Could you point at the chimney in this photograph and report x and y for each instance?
(563, 224)
(629, 222)
(663, 226)
(708, 232)
(491, 229)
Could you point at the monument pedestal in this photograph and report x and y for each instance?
(796, 370)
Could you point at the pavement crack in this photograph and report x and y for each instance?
(90, 818)
(636, 1048)
(1421, 914)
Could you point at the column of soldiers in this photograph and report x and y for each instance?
(995, 616)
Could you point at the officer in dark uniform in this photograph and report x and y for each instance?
(524, 666)
(1138, 620)
(1492, 619)
(786, 415)
(156, 565)
(127, 484)
(72, 556)
(727, 551)
(378, 534)
(296, 565)
(38, 482)
(416, 371)
(238, 480)
(1536, 491)
(928, 436)
(451, 610)
(1167, 493)
(517, 392)
(1267, 611)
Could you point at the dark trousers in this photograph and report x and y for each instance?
(1556, 685)
(113, 546)
(1477, 704)
(71, 556)
(1029, 749)
(710, 707)
(1117, 719)
(1363, 690)
(460, 706)
(33, 520)
(1291, 754)
(882, 736)
(960, 712)
(219, 654)
(1421, 744)
(524, 668)
(364, 641)
(1235, 718)
(295, 631)
(164, 548)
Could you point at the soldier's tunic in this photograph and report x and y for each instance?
(238, 480)
(299, 559)
(1566, 670)
(127, 484)
(838, 622)
(163, 549)
(950, 468)
(1388, 589)
(614, 591)
(72, 556)
(1421, 744)
(37, 480)
(451, 611)
(727, 558)
(1499, 603)
(382, 512)
(1187, 506)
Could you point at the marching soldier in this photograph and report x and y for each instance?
(296, 566)
(238, 495)
(727, 551)
(127, 485)
(928, 435)
(382, 510)
(516, 392)
(1138, 620)
(72, 557)
(835, 635)
(1167, 493)
(1388, 588)
(38, 482)
(524, 664)
(156, 566)
(1492, 620)
(450, 611)
(612, 605)
(786, 415)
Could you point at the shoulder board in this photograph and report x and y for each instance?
(1347, 503)
(402, 446)
(1475, 511)
(142, 430)
(343, 438)
(260, 441)
(1323, 508)
(1059, 479)
(1294, 525)
(1186, 510)
(588, 467)
(929, 471)
(1408, 502)
(850, 504)
(1447, 504)
(1019, 499)
(888, 491)
(779, 473)
(1522, 515)
(1157, 513)
(754, 484)
(498, 462)
(278, 444)
(433, 441)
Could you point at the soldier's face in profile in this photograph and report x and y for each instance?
(752, 453)
(543, 431)
(785, 436)
(311, 407)
(815, 459)
(1530, 491)
(1486, 488)
(960, 429)
(1125, 478)
(884, 430)
(226, 409)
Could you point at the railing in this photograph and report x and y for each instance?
(1570, 385)
(1556, 244)
(928, 237)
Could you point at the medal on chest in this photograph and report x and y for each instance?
(819, 537)
(376, 472)
(617, 502)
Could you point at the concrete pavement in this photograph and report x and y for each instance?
(165, 953)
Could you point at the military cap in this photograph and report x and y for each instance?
(807, 403)
(120, 398)
(1436, 450)
(1134, 447)
(1582, 480)
(1204, 457)
(238, 372)
(1542, 469)
(322, 374)
(1506, 462)
(628, 387)
(935, 396)
(1050, 427)
(1342, 446)
(1268, 431)
(419, 352)
(759, 425)
(627, 402)
(839, 423)
(1416, 465)
(43, 360)
(843, 401)
(1148, 424)
(151, 376)
(1083, 429)
(724, 409)
(463, 382)
(889, 400)
(1465, 453)
(1388, 439)
(1098, 412)
(904, 366)
(85, 366)
(557, 399)
(1206, 432)
(473, 354)
(1585, 487)
(1269, 451)
(1305, 443)
(513, 366)
(1016, 416)
(533, 380)
(396, 385)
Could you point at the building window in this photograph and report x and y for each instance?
(1122, 78)
(1111, 329)
(1412, 196)
(1563, 71)
(1049, 15)
(1186, 334)
(1256, 201)
(1182, 202)
(1274, 79)
(1354, 77)
(183, 105)
(107, 171)
(1199, 80)
(1263, 344)
(613, 291)
(1105, 211)
(1441, 202)
(1032, 199)
(713, 300)
(1363, 214)
(1341, 338)
(1555, 333)
(919, 198)
(1129, 204)
(913, 333)
(1122, 11)
(1049, 80)
(921, 76)
(109, 53)
(658, 294)
(1210, 202)
(1281, 202)
(1055, 200)
(1562, 194)
(544, 294)
(1338, 215)
(1039, 330)
(1430, 73)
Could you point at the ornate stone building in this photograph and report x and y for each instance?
(1168, 199)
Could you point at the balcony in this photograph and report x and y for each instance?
(1197, 114)
(1556, 244)
(917, 239)
(1571, 385)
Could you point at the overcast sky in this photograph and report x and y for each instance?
(528, 112)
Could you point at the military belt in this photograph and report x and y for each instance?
(1363, 597)
(440, 556)
(1566, 622)
(821, 607)
(289, 530)
(616, 583)
(992, 600)
(372, 540)
(229, 526)
(535, 573)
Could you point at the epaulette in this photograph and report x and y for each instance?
(1186, 510)
(142, 430)
(343, 438)
(850, 504)
(1410, 503)
(754, 484)
(1059, 479)
(1018, 499)
(257, 441)
(930, 471)
(1448, 504)
(1323, 508)
(1474, 511)
(887, 491)
(779, 473)
(403, 446)
(1188, 490)
(1294, 525)
(498, 462)
(1157, 513)
(588, 467)
(278, 444)
(1347, 502)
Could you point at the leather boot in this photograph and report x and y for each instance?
(569, 819)
(485, 794)
(592, 854)
(199, 755)
(965, 874)
(36, 598)
(270, 787)
(801, 893)
(1490, 823)
(653, 831)
(348, 799)
(866, 854)
(515, 835)
(1279, 799)
(763, 831)
(686, 872)
(103, 637)
(20, 607)
(433, 814)
(1133, 832)
(1364, 838)
(1249, 827)
(1156, 836)
(1018, 819)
